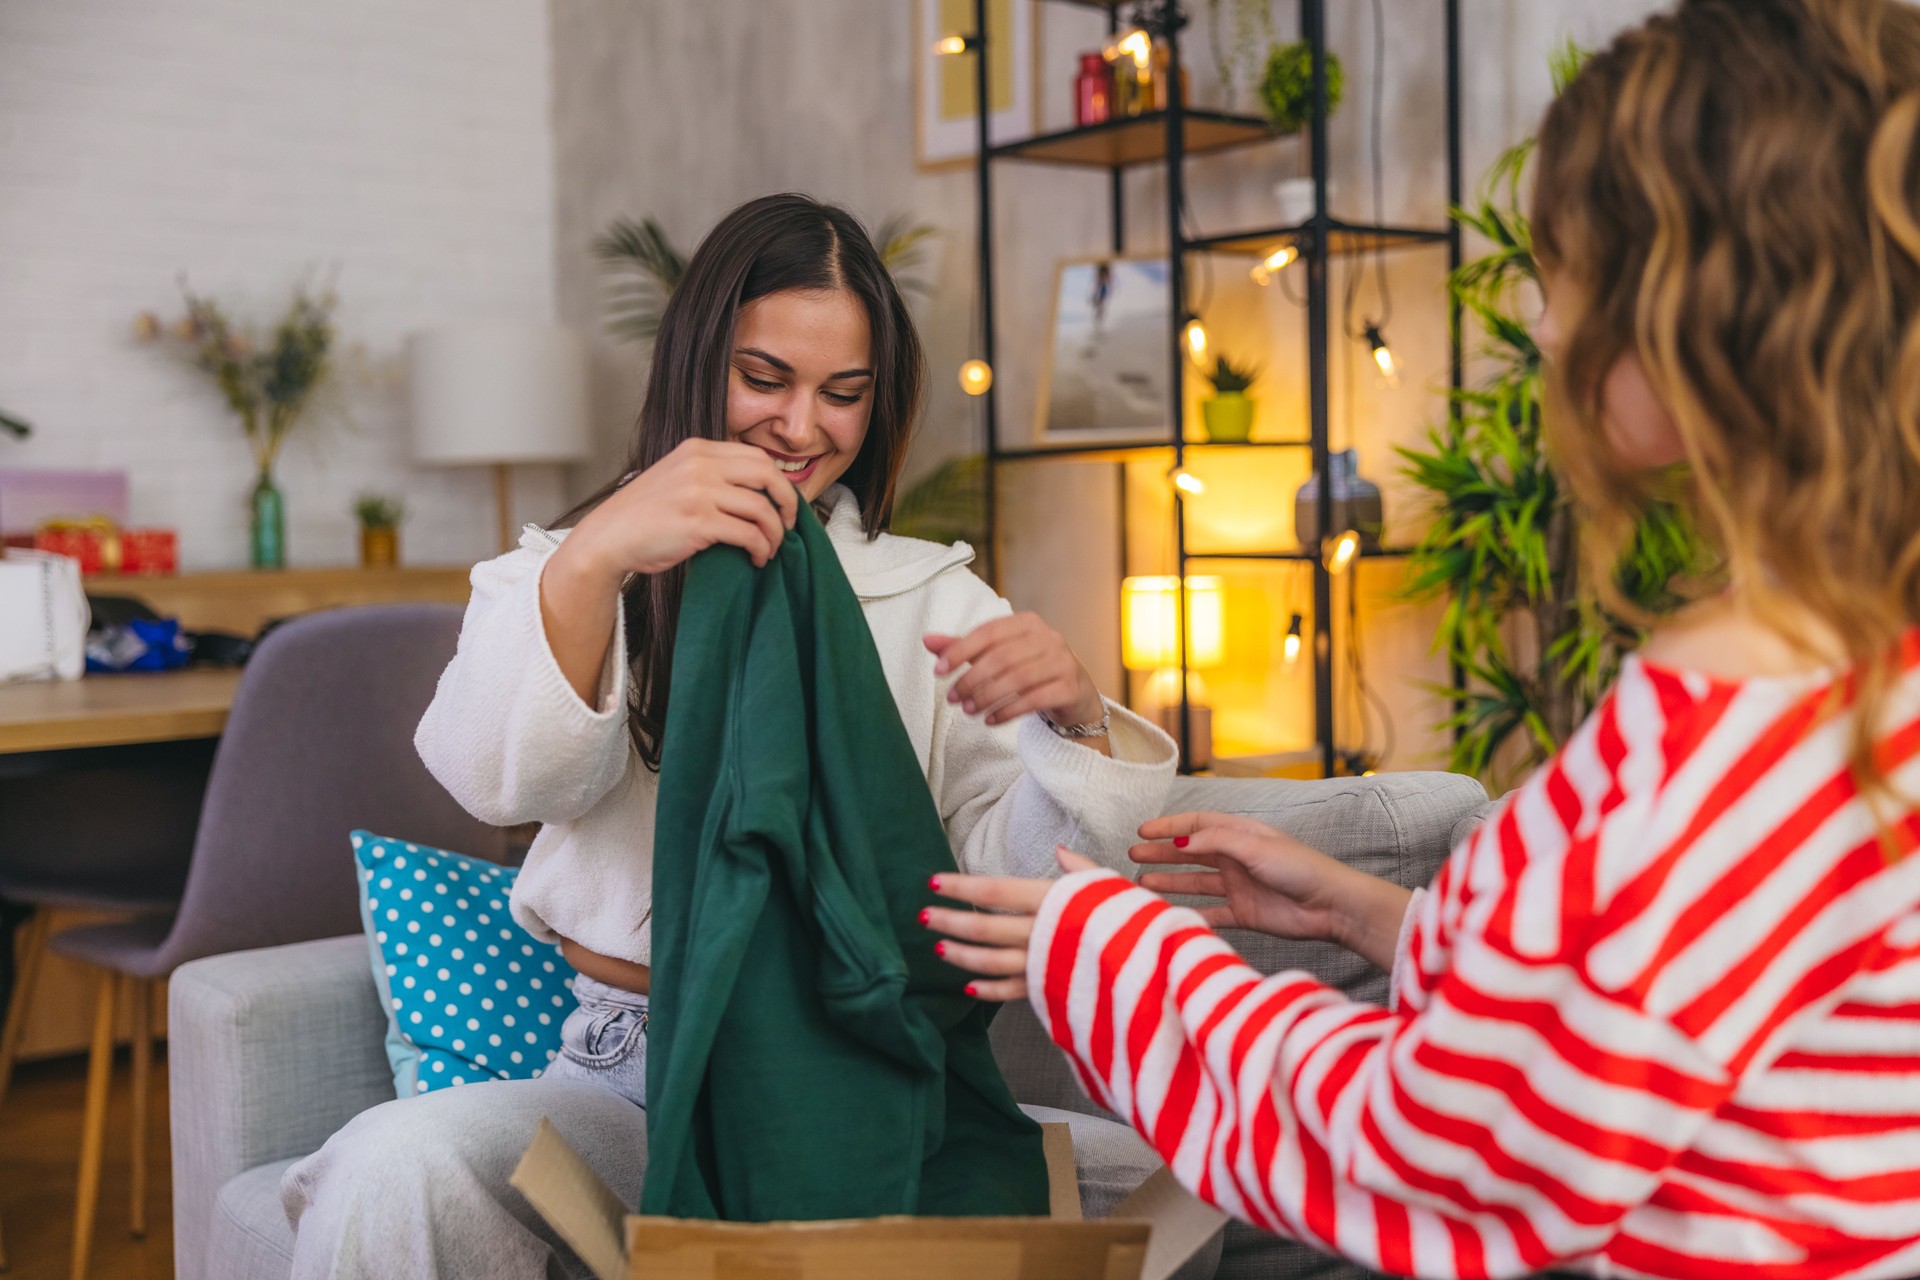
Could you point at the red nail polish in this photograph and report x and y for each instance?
(934, 884)
(926, 915)
(972, 990)
(940, 949)
(1179, 842)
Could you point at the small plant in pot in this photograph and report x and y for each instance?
(1228, 414)
(379, 517)
(1286, 97)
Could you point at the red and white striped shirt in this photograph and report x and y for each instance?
(1660, 1016)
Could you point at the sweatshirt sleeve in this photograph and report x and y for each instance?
(1010, 793)
(506, 734)
(1508, 1127)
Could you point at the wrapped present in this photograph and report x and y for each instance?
(94, 542)
(149, 551)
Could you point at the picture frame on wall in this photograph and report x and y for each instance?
(1105, 378)
(946, 123)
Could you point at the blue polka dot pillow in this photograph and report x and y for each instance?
(469, 994)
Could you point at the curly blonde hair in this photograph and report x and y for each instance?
(1730, 192)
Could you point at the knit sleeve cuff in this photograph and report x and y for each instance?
(1143, 756)
(1403, 949)
(557, 692)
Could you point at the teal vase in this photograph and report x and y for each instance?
(269, 524)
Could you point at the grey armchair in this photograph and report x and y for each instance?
(273, 1050)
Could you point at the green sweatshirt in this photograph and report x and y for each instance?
(808, 1055)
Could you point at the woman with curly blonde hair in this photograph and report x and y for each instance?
(1660, 1015)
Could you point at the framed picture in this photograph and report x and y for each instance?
(946, 125)
(1105, 378)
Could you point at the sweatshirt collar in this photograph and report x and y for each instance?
(877, 568)
(888, 565)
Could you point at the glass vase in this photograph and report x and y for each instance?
(269, 524)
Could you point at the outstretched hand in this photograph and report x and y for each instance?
(993, 942)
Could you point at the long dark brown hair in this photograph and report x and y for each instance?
(766, 246)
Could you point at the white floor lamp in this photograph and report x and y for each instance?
(499, 395)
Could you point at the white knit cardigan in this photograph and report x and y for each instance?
(511, 740)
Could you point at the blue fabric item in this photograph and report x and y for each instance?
(140, 645)
(469, 994)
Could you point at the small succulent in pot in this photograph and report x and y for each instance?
(380, 517)
(1286, 90)
(1228, 415)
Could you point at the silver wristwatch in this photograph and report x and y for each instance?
(1091, 729)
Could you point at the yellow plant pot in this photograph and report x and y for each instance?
(379, 547)
(1228, 418)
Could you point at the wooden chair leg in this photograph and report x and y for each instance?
(93, 1132)
(33, 950)
(140, 993)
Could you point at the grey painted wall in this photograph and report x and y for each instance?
(684, 110)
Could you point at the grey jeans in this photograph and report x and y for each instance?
(604, 1040)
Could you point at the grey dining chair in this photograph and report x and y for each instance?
(319, 742)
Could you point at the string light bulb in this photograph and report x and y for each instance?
(948, 46)
(1139, 46)
(1383, 356)
(1340, 551)
(976, 376)
(1187, 482)
(1274, 263)
(1195, 336)
(1290, 648)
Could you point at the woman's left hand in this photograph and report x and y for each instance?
(992, 943)
(1016, 665)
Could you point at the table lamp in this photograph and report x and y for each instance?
(497, 394)
(1150, 641)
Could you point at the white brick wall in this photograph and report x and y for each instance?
(403, 148)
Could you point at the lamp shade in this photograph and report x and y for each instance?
(1150, 637)
(497, 393)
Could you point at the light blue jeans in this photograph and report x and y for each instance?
(604, 1040)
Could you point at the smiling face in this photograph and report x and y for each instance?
(800, 385)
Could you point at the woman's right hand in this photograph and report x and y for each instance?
(1270, 882)
(705, 493)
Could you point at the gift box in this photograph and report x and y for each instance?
(94, 542)
(149, 551)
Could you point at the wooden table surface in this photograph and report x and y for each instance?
(108, 711)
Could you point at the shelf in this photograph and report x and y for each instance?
(1126, 452)
(1385, 553)
(1137, 140)
(1343, 238)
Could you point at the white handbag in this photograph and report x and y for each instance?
(43, 617)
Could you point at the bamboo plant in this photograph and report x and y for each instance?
(1535, 648)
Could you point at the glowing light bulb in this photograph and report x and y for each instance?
(950, 45)
(1290, 650)
(1196, 337)
(976, 376)
(1340, 551)
(1138, 46)
(1274, 263)
(1383, 356)
(1187, 482)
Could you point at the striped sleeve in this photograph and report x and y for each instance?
(1506, 1126)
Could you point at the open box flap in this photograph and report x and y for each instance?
(565, 1191)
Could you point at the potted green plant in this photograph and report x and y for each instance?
(379, 517)
(1286, 97)
(269, 384)
(1536, 650)
(1228, 413)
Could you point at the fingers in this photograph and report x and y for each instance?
(744, 534)
(994, 675)
(993, 962)
(1044, 697)
(1193, 884)
(977, 641)
(745, 467)
(1071, 862)
(751, 505)
(1001, 990)
(1175, 825)
(1166, 854)
(996, 893)
(979, 926)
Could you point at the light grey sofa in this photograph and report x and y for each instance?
(272, 1051)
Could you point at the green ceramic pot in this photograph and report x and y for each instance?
(1228, 418)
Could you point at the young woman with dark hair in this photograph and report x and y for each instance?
(786, 370)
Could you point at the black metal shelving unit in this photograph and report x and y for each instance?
(1167, 137)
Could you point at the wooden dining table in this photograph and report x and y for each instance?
(115, 710)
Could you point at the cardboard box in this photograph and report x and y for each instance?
(1152, 1233)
